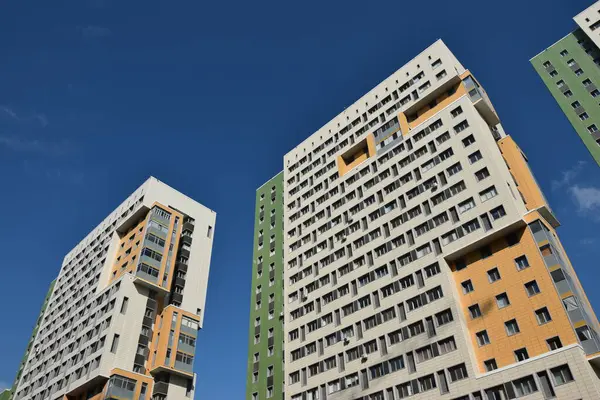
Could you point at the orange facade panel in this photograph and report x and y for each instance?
(524, 179)
(165, 342)
(359, 153)
(523, 305)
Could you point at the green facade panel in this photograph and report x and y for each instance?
(567, 68)
(265, 376)
(8, 393)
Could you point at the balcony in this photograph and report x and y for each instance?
(180, 282)
(186, 348)
(181, 366)
(176, 297)
(184, 253)
(161, 388)
(186, 239)
(188, 226)
(115, 392)
(181, 265)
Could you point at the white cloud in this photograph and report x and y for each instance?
(9, 112)
(587, 199)
(20, 145)
(35, 117)
(568, 176)
(588, 241)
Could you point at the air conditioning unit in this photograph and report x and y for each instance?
(346, 341)
(364, 359)
(343, 238)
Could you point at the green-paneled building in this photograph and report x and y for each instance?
(265, 336)
(570, 68)
(8, 393)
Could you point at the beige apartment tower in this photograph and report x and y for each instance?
(421, 259)
(124, 314)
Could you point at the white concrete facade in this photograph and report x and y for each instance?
(589, 22)
(340, 250)
(86, 311)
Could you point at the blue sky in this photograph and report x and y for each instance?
(96, 95)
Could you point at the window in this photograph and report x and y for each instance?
(583, 116)
(593, 93)
(562, 374)
(575, 104)
(488, 194)
(269, 392)
(564, 53)
(512, 328)
(254, 377)
(454, 169)
(502, 300)
(543, 316)
(493, 275)
(474, 157)
(447, 345)
(560, 83)
(115, 344)
(456, 112)
(498, 212)
(469, 140)
(584, 333)
(466, 205)
(467, 286)
(521, 354)
(553, 73)
(482, 174)
(570, 303)
(592, 128)
(461, 127)
(578, 72)
(270, 351)
(524, 386)
(475, 311)
(458, 372)
(256, 357)
(490, 364)
(586, 82)
(482, 338)
(521, 262)
(554, 343)
(294, 377)
(532, 288)
(124, 305)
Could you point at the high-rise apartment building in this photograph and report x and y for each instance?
(127, 304)
(8, 393)
(420, 255)
(570, 68)
(265, 342)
